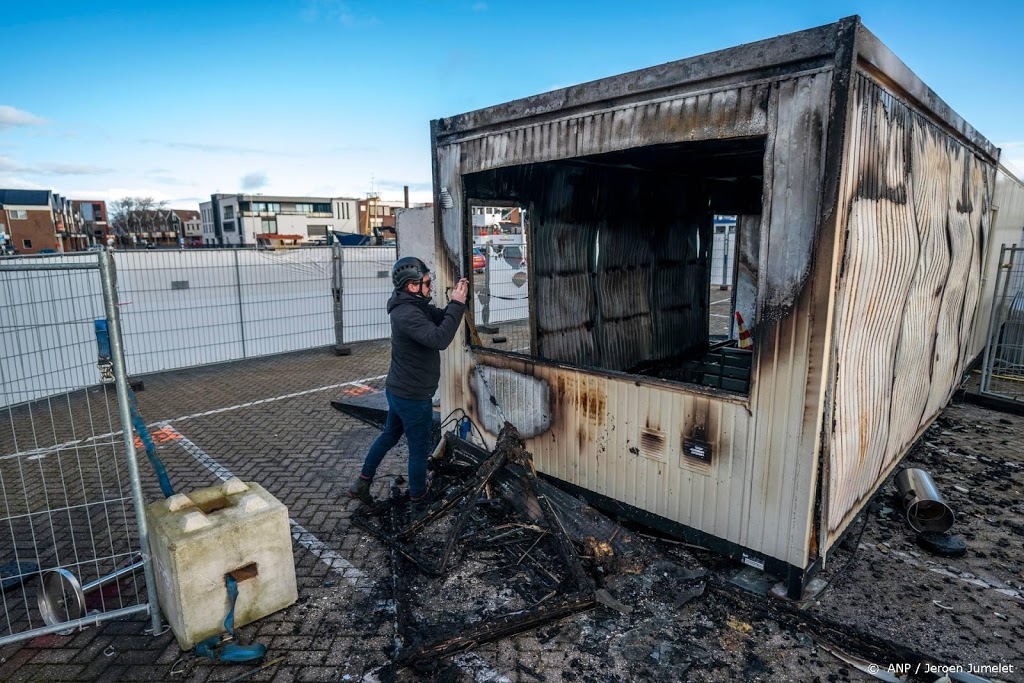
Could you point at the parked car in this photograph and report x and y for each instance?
(515, 256)
(479, 262)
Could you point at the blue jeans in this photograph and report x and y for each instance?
(413, 418)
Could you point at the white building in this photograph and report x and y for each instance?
(236, 219)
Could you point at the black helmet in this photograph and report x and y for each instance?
(407, 269)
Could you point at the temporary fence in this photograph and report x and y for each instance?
(1003, 368)
(723, 255)
(71, 507)
(187, 308)
(362, 278)
(502, 298)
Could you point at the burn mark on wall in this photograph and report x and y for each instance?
(574, 393)
(911, 282)
(525, 400)
(652, 444)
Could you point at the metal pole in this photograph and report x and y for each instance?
(241, 309)
(88, 620)
(338, 293)
(107, 274)
(993, 326)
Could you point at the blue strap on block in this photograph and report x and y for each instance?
(231, 652)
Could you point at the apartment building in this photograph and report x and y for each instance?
(236, 219)
(94, 218)
(32, 221)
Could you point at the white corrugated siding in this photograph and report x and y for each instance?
(624, 440)
(917, 203)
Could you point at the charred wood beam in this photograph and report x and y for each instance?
(484, 475)
(396, 541)
(564, 547)
(496, 629)
(484, 471)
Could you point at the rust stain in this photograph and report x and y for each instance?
(574, 393)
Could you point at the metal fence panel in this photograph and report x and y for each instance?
(195, 307)
(186, 308)
(70, 497)
(501, 298)
(723, 255)
(366, 287)
(1003, 368)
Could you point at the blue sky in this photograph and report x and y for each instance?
(179, 100)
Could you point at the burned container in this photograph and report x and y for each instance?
(862, 205)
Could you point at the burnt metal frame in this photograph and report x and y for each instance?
(844, 46)
(686, 387)
(581, 599)
(467, 266)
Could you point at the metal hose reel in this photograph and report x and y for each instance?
(61, 597)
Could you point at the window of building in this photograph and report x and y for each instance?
(321, 208)
(623, 286)
(229, 226)
(266, 207)
(268, 225)
(317, 230)
(303, 208)
(27, 243)
(18, 214)
(229, 212)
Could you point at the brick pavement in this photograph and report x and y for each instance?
(302, 451)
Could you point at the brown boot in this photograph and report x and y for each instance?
(360, 490)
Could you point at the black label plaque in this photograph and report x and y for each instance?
(697, 449)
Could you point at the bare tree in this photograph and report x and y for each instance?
(121, 211)
(134, 214)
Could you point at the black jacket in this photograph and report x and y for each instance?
(419, 331)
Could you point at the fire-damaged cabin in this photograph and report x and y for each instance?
(862, 205)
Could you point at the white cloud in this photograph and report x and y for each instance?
(1012, 157)
(114, 193)
(254, 181)
(336, 11)
(10, 117)
(11, 182)
(9, 165)
(70, 169)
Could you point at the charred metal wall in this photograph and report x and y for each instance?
(623, 436)
(916, 203)
(619, 259)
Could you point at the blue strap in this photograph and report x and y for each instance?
(229, 621)
(104, 356)
(231, 652)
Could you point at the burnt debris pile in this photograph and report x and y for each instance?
(497, 552)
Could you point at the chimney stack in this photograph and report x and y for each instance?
(407, 196)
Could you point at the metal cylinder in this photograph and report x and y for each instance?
(925, 508)
(62, 598)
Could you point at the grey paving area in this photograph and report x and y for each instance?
(270, 421)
